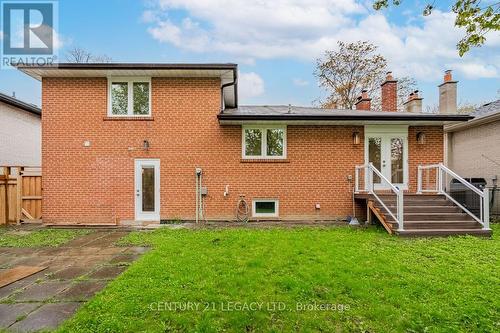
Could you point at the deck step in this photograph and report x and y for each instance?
(432, 216)
(436, 209)
(443, 232)
(413, 225)
(426, 215)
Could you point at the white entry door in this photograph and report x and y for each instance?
(387, 148)
(147, 190)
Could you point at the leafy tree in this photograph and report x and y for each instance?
(477, 19)
(345, 72)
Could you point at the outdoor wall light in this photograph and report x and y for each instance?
(145, 145)
(421, 138)
(355, 138)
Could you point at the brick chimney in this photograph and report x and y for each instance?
(448, 94)
(389, 94)
(364, 102)
(414, 103)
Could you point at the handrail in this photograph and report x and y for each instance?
(463, 181)
(441, 169)
(369, 187)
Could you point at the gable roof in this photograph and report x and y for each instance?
(484, 114)
(227, 72)
(298, 114)
(487, 109)
(12, 101)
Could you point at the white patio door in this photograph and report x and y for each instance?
(147, 190)
(387, 148)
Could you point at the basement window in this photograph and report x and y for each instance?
(265, 208)
(129, 97)
(264, 142)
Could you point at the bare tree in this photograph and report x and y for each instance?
(80, 55)
(345, 72)
(406, 85)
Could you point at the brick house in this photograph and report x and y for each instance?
(471, 150)
(123, 143)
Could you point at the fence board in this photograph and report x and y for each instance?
(20, 191)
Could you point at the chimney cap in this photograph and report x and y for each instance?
(448, 77)
(389, 78)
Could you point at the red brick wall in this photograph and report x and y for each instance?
(96, 184)
(431, 152)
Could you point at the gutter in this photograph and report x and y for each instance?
(20, 104)
(233, 83)
(332, 117)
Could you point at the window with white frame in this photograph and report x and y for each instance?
(265, 208)
(264, 142)
(129, 97)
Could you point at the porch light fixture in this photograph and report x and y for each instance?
(355, 138)
(145, 145)
(421, 138)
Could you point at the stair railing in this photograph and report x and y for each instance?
(369, 187)
(440, 178)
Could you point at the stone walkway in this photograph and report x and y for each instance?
(76, 271)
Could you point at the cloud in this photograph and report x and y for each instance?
(250, 85)
(474, 70)
(303, 29)
(300, 82)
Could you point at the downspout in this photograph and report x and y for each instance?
(233, 83)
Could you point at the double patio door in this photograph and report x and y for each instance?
(387, 148)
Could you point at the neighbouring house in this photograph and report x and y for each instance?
(128, 143)
(474, 148)
(20, 132)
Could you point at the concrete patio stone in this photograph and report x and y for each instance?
(42, 291)
(93, 255)
(123, 259)
(9, 313)
(47, 317)
(71, 272)
(81, 291)
(107, 272)
(17, 286)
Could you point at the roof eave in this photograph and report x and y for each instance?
(340, 118)
(473, 123)
(20, 105)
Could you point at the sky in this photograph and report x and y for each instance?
(275, 43)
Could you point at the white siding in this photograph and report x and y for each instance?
(20, 137)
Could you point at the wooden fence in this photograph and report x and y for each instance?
(20, 194)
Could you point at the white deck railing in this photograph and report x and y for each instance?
(369, 187)
(442, 173)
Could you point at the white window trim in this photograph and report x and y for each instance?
(130, 80)
(276, 206)
(263, 129)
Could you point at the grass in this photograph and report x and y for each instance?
(375, 282)
(15, 237)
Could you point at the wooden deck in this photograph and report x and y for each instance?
(424, 215)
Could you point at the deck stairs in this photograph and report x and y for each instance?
(425, 215)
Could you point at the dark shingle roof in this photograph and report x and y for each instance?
(284, 112)
(20, 104)
(487, 109)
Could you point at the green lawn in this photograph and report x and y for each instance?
(24, 237)
(371, 281)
